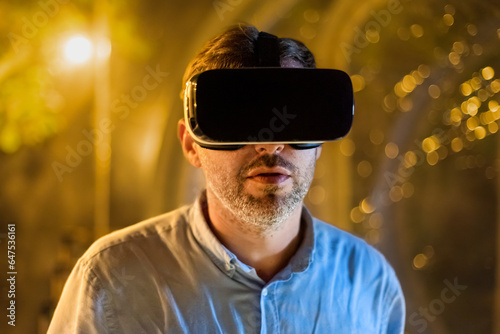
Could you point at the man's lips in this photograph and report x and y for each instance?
(269, 175)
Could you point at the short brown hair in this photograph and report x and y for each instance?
(235, 48)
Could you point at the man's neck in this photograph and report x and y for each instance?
(267, 250)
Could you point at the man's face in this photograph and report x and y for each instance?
(259, 184)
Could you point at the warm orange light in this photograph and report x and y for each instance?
(78, 50)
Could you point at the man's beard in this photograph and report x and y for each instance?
(269, 211)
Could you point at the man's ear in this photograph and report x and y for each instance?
(189, 147)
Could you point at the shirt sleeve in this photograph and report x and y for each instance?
(84, 307)
(395, 311)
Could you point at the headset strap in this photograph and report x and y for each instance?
(267, 48)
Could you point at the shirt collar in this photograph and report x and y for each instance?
(205, 237)
(228, 263)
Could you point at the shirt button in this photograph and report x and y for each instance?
(264, 292)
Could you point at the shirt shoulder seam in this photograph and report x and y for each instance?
(134, 235)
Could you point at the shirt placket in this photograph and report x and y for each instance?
(269, 314)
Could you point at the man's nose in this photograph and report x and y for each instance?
(269, 148)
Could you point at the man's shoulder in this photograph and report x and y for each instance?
(360, 276)
(331, 233)
(333, 241)
(147, 232)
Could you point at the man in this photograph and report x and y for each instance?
(246, 257)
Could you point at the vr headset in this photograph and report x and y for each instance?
(226, 109)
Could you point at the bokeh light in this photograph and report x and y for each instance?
(78, 49)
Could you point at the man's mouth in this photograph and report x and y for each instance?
(275, 175)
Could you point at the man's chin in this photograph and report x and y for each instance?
(271, 192)
(273, 202)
